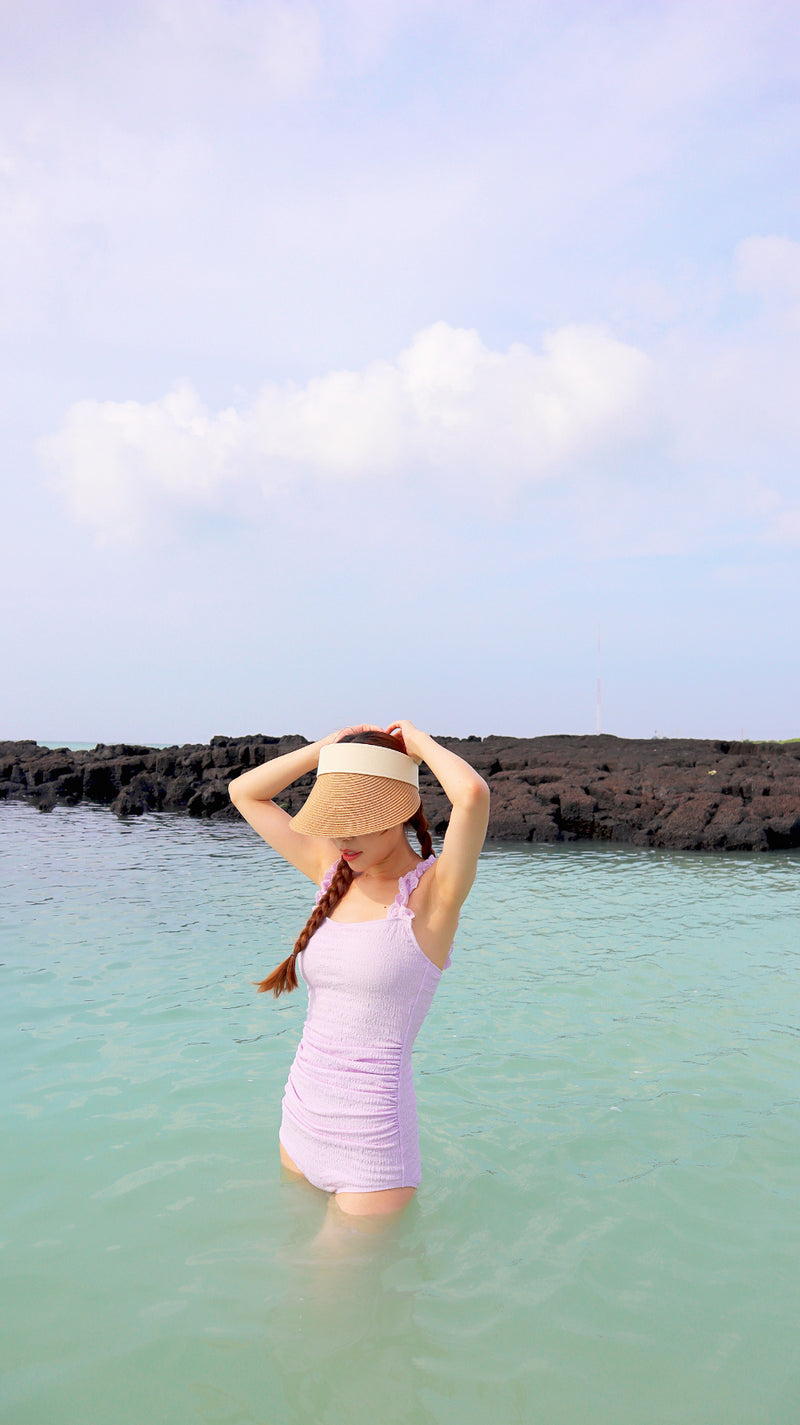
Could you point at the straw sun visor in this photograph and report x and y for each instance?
(359, 789)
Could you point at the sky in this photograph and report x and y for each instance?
(379, 359)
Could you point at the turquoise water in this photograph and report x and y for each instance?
(609, 1097)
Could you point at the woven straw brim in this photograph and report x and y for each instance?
(352, 804)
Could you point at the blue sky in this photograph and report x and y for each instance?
(373, 360)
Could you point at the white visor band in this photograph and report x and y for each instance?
(360, 757)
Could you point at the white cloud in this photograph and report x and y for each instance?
(119, 462)
(448, 408)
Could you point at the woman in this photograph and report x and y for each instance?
(373, 950)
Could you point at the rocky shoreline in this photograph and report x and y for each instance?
(681, 794)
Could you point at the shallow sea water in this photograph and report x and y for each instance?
(609, 1098)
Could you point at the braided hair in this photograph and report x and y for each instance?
(283, 978)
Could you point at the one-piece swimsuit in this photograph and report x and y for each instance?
(349, 1119)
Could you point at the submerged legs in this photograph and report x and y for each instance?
(352, 1214)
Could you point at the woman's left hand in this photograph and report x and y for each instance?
(408, 737)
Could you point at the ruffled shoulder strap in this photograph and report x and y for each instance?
(326, 882)
(409, 883)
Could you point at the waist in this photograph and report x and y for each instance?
(353, 1048)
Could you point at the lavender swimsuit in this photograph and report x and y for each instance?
(349, 1118)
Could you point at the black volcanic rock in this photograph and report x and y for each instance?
(678, 793)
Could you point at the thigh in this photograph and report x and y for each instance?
(287, 1163)
(374, 1204)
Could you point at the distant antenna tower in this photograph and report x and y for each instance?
(598, 722)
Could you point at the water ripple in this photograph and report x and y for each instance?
(609, 1098)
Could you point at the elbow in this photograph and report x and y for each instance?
(477, 795)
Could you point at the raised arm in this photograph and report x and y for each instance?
(469, 795)
(252, 795)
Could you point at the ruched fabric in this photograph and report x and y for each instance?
(349, 1118)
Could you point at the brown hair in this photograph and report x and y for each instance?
(284, 976)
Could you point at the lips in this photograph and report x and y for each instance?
(350, 855)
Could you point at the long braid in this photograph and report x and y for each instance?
(284, 978)
(419, 822)
(340, 880)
